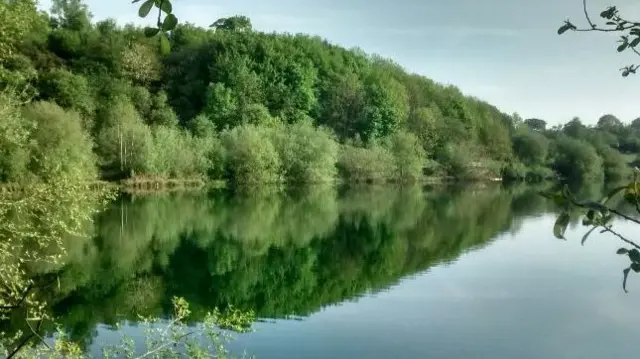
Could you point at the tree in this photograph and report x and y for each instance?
(233, 23)
(610, 123)
(60, 145)
(576, 160)
(575, 129)
(536, 124)
(531, 147)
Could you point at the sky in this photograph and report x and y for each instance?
(506, 52)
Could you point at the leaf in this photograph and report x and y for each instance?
(169, 22)
(635, 42)
(165, 47)
(561, 225)
(622, 251)
(610, 195)
(623, 46)
(567, 26)
(135, 1)
(151, 31)
(145, 8)
(624, 280)
(634, 255)
(636, 267)
(164, 5)
(586, 235)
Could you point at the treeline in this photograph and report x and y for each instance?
(235, 104)
(574, 151)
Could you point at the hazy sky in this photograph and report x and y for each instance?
(506, 52)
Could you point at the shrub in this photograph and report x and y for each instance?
(530, 147)
(409, 156)
(363, 164)
(60, 146)
(14, 136)
(576, 160)
(250, 156)
(177, 154)
(614, 163)
(308, 154)
(125, 143)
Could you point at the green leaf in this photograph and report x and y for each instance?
(135, 1)
(622, 251)
(169, 22)
(151, 31)
(584, 238)
(636, 267)
(635, 42)
(610, 195)
(165, 47)
(145, 8)
(623, 46)
(624, 280)
(567, 26)
(164, 5)
(561, 225)
(634, 255)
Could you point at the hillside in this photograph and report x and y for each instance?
(231, 103)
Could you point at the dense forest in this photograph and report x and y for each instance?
(99, 100)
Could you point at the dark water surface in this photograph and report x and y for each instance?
(375, 272)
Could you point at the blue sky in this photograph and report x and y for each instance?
(506, 52)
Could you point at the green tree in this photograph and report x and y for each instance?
(577, 160)
(409, 156)
(536, 124)
(124, 141)
(251, 157)
(60, 146)
(233, 23)
(530, 147)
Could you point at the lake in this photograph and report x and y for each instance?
(367, 272)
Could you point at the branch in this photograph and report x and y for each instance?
(621, 237)
(172, 342)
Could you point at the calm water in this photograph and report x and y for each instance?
(360, 273)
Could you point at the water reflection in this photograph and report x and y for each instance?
(281, 255)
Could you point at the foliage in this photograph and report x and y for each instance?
(60, 146)
(530, 147)
(125, 143)
(409, 156)
(308, 154)
(371, 163)
(251, 157)
(614, 22)
(577, 160)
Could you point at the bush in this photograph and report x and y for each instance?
(177, 154)
(250, 155)
(125, 143)
(14, 136)
(60, 146)
(373, 163)
(614, 163)
(576, 160)
(530, 147)
(409, 156)
(514, 171)
(457, 160)
(308, 154)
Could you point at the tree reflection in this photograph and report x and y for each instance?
(279, 254)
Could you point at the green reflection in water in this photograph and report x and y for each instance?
(281, 255)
